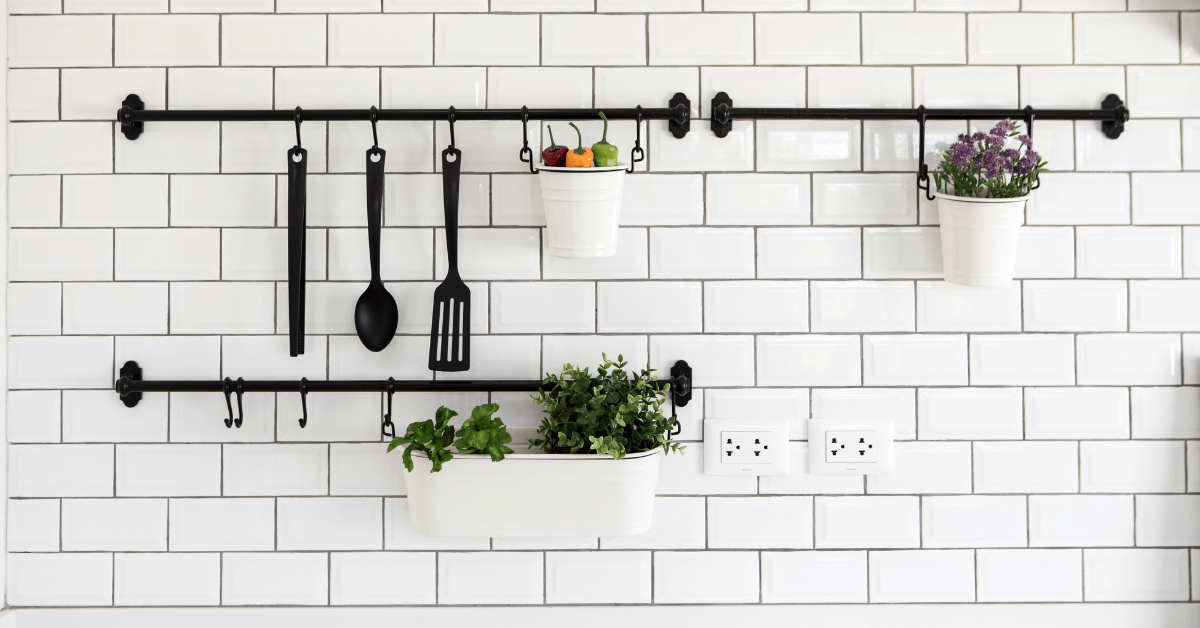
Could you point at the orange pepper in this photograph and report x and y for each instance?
(580, 157)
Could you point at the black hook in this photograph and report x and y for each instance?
(389, 429)
(227, 387)
(299, 119)
(1037, 182)
(922, 168)
(450, 117)
(240, 386)
(525, 149)
(304, 398)
(374, 132)
(636, 154)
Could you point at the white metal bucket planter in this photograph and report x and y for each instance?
(583, 209)
(534, 495)
(979, 238)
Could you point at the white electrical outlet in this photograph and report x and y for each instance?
(850, 446)
(745, 446)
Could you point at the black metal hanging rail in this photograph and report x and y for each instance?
(130, 387)
(1112, 114)
(133, 115)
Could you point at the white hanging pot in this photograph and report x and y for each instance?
(534, 495)
(583, 209)
(979, 238)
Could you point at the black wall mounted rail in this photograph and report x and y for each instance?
(1112, 116)
(130, 387)
(133, 115)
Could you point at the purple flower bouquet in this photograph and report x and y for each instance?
(979, 165)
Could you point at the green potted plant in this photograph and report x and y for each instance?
(593, 471)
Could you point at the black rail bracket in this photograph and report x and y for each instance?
(130, 371)
(682, 122)
(681, 383)
(1113, 128)
(132, 130)
(721, 124)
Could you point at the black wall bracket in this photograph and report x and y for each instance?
(131, 129)
(130, 372)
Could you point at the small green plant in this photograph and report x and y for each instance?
(432, 437)
(479, 434)
(615, 413)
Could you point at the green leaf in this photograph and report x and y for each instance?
(431, 437)
(481, 434)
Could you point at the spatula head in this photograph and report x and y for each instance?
(450, 338)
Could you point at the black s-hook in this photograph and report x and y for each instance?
(241, 384)
(922, 168)
(636, 154)
(227, 387)
(1037, 183)
(299, 119)
(389, 429)
(304, 398)
(374, 131)
(450, 116)
(526, 151)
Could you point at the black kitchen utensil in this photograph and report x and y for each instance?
(375, 315)
(450, 338)
(297, 241)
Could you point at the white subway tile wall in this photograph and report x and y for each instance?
(792, 263)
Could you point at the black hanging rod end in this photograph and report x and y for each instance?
(131, 129)
(682, 122)
(130, 372)
(722, 123)
(1113, 128)
(681, 383)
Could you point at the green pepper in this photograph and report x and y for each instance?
(605, 153)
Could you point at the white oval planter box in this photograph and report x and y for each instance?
(534, 495)
(583, 209)
(979, 238)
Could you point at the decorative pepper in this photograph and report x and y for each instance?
(605, 153)
(580, 157)
(554, 156)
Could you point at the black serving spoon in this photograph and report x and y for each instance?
(375, 315)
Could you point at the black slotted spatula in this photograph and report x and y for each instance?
(450, 337)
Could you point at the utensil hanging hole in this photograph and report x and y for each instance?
(451, 157)
(297, 157)
(375, 157)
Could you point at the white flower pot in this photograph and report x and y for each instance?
(583, 209)
(534, 495)
(979, 238)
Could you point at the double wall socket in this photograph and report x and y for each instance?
(746, 447)
(850, 446)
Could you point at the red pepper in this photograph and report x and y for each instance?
(554, 156)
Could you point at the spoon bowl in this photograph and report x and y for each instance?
(376, 317)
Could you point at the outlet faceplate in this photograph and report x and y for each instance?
(746, 446)
(850, 446)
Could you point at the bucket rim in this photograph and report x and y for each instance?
(974, 199)
(583, 170)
